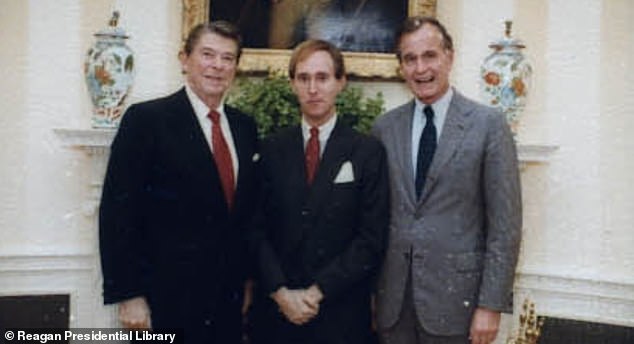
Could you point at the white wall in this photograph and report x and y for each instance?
(616, 142)
(42, 87)
(579, 208)
(13, 145)
(47, 223)
(581, 101)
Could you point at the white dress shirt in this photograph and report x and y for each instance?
(324, 132)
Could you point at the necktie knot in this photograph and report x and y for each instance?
(214, 116)
(314, 132)
(429, 112)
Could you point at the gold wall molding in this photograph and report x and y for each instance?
(254, 61)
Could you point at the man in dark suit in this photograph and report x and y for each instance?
(456, 205)
(177, 192)
(320, 227)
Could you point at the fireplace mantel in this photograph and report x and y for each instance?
(96, 140)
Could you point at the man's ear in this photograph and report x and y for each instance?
(342, 83)
(182, 57)
(290, 81)
(450, 55)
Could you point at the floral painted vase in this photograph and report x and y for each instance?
(505, 77)
(109, 71)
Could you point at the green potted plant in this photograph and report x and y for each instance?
(272, 103)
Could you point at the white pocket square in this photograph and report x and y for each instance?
(346, 174)
(255, 157)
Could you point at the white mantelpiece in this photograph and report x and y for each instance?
(535, 153)
(99, 139)
(575, 298)
(95, 142)
(86, 138)
(82, 273)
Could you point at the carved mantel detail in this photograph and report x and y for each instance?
(96, 143)
(583, 299)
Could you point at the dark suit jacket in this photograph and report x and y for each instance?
(165, 229)
(332, 234)
(459, 242)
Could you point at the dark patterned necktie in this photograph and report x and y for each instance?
(222, 156)
(426, 149)
(312, 155)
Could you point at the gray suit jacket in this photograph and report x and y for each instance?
(460, 241)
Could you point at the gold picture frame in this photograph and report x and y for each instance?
(253, 61)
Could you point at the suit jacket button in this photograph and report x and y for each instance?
(406, 255)
(305, 212)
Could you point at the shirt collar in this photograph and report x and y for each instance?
(324, 130)
(200, 108)
(440, 107)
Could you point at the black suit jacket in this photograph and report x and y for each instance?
(165, 230)
(331, 233)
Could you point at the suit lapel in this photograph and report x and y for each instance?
(290, 181)
(294, 169)
(402, 135)
(336, 153)
(297, 168)
(450, 139)
(194, 149)
(239, 140)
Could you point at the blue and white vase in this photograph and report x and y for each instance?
(505, 77)
(109, 71)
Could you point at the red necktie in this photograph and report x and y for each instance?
(312, 155)
(222, 156)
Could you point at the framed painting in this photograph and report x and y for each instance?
(363, 29)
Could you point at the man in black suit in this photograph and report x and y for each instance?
(320, 227)
(177, 192)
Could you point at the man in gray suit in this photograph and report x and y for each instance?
(456, 204)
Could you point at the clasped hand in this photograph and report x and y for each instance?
(299, 306)
(135, 314)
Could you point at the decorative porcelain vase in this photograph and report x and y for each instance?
(109, 71)
(505, 77)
